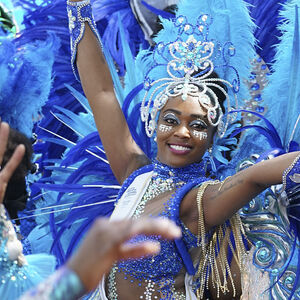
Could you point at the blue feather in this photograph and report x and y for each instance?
(158, 12)
(25, 81)
(282, 94)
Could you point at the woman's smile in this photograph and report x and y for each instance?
(180, 149)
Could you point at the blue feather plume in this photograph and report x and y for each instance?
(25, 81)
(282, 94)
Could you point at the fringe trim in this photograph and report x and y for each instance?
(213, 263)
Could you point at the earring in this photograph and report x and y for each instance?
(211, 158)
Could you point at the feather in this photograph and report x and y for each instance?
(282, 94)
(25, 81)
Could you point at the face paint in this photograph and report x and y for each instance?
(164, 128)
(200, 135)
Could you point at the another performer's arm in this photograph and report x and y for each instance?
(122, 152)
(222, 200)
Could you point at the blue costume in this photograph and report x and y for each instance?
(85, 169)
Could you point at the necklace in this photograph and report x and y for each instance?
(184, 174)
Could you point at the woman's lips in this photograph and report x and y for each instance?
(179, 149)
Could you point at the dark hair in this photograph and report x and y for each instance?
(220, 95)
(16, 138)
(15, 197)
(158, 26)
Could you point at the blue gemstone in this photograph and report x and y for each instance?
(260, 109)
(191, 46)
(263, 254)
(189, 63)
(258, 244)
(289, 280)
(259, 59)
(255, 87)
(263, 67)
(274, 272)
(258, 97)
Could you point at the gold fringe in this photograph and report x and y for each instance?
(214, 264)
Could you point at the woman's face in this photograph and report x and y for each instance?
(183, 132)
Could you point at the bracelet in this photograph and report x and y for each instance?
(288, 174)
(63, 284)
(78, 14)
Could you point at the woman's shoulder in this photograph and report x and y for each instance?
(138, 172)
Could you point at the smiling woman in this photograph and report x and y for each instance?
(189, 133)
(183, 104)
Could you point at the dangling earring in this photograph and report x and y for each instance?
(211, 159)
(155, 139)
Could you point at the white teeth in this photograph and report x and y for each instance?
(179, 148)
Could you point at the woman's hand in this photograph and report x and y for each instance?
(12, 164)
(105, 243)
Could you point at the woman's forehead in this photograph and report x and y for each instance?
(189, 106)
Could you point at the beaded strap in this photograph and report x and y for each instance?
(291, 175)
(63, 284)
(79, 13)
(212, 259)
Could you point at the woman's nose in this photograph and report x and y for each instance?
(182, 131)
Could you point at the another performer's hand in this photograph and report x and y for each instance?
(13, 162)
(105, 244)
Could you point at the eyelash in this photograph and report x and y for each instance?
(199, 125)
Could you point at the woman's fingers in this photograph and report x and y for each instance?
(4, 132)
(12, 164)
(155, 226)
(139, 250)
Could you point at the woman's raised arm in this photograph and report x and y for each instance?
(122, 152)
(221, 201)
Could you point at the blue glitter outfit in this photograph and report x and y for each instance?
(166, 272)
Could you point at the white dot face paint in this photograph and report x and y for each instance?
(200, 135)
(164, 128)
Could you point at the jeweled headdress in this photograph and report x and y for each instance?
(203, 39)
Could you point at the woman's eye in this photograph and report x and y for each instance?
(200, 125)
(171, 119)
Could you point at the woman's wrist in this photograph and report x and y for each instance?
(291, 175)
(63, 284)
(79, 15)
